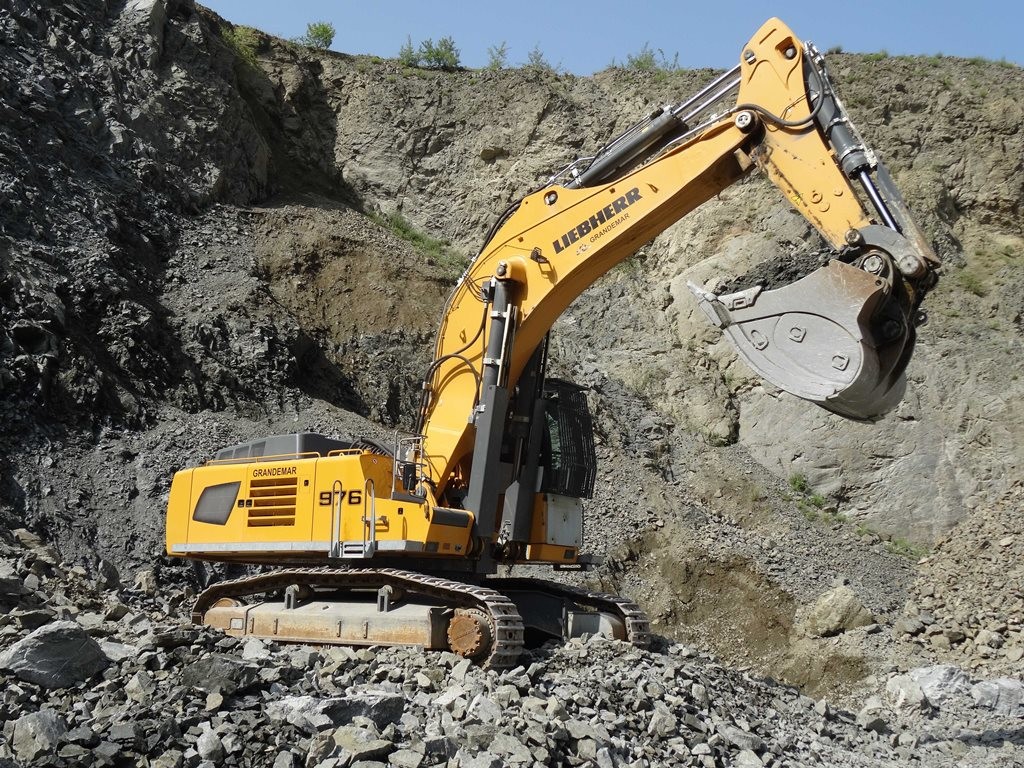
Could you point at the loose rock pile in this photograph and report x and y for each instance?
(98, 674)
(967, 605)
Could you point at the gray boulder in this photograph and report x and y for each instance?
(57, 655)
(255, 650)
(511, 748)
(941, 682)
(209, 746)
(485, 708)
(905, 694)
(304, 712)
(219, 674)
(747, 759)
(872, 716)
(835, 612)
(405, 758)
(361, 744)
(118, 652)
(482, 759)
(1005, 695)
(662, 723)
(742, 739)
(37, 734)
(382, 707)
(11, 585)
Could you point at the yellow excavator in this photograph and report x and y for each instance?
(401, 544)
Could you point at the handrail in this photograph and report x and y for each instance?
(408, 450)
(336, 494)
(370, 497)
(295, 456)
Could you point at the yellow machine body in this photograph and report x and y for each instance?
(303, 510)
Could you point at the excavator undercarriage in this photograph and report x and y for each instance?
(385, 606)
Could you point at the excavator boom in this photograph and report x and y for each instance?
(840, 337)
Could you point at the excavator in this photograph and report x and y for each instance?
(402, 544)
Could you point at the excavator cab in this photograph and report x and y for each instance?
(568, 455)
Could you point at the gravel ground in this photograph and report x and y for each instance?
(141, 689)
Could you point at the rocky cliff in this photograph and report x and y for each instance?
(195, 249)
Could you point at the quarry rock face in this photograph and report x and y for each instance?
(186, 262)
(115, 307)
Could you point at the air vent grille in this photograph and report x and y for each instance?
(273, 501)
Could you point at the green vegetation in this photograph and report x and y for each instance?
(971, 283)
(243, 42)
(834, 49)
(878, 56)
(649, 60)
(430, 55)
(979, 61)
(438, 252)
(497, 56)
(990, 265)
(813, 506)
(643, 60)
(714, 439)
(440, 55)
(894, 544)
(319, 34)
(813, 509)
(752, 494)
(535, 60)
(407, 55)
(905, 548)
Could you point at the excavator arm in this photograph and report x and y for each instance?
(840, 337)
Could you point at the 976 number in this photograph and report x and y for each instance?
(354, 497)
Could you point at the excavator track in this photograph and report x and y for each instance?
(506, 624)
(638, 626)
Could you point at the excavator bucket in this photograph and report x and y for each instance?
(839, 337)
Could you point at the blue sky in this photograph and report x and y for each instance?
(584, 37)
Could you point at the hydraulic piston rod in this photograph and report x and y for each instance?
(876, 200)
